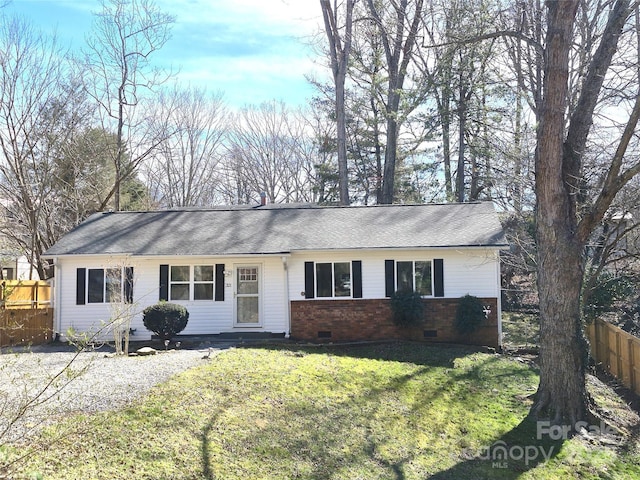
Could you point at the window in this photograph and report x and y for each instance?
(191, 282)
(183, 279)
(423, 276)
(333, 279)
(104, 285)
(180, 284)
(248, 274)
(414, 276)
(203, 282)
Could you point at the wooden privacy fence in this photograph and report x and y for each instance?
(26, 327)
(25, 294)
(617, 351)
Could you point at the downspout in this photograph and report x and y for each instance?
(499, 299)
(57, 314)
(287, 306)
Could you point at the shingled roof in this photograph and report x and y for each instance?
(274, 229)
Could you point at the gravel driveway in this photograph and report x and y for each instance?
(91, 381)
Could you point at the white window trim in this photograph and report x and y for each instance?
(191, 283)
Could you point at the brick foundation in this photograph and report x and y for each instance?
(360, 319)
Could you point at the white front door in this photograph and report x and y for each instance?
(247, 306)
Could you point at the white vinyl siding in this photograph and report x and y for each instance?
(205, 317)
(466, 271)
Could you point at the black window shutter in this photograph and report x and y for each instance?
(81, 285)
(356, 281)
(128, 284)
(438, 277)
(389, 278)
(219, 285)
(164, 283)
(308, 280)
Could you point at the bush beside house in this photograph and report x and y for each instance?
(469, 315)
(165, 319)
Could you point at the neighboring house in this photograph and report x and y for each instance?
(309, 272)
(17, 267)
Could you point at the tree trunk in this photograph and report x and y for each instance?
(462, 119)
(390, 155)
(560, 237)
(343, 172)
(562, 393)
(446, 156)
(119, 147)
(391, 148)
(377, 149)
(340, 49)
(518, 151)
(443, 101)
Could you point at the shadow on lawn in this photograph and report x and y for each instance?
(508, 457)
(328, 448)
(205, 443)
(432, 355)
(204, 447)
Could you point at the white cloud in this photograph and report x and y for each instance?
(283, 16)
(247, 81)
(253, 50)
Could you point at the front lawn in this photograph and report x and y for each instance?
(390, 411)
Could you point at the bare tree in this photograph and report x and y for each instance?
(366, 111)
(398, 29)
(339, 51)
(562, 228)
(435, 61)
(525, 60)
(118, 74)
(184, 170)
(264, 154)
(36, 118)
(314, 160)
(459, 72)
(314, 140)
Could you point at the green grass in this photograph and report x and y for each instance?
(391, 411)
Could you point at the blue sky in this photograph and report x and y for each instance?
(251, 50)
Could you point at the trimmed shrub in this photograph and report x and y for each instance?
(408, 308)
(469, 314)
(165, 319)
